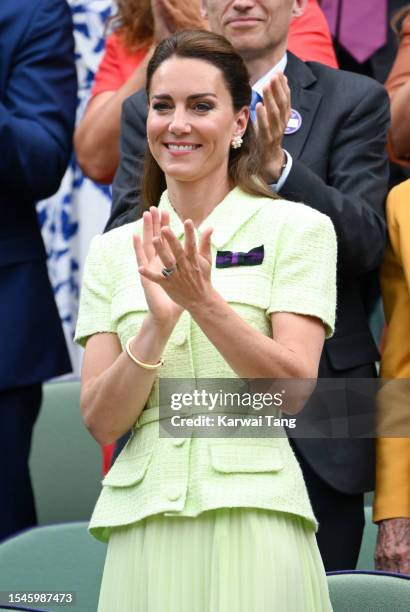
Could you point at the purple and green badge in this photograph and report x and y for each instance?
(229, 259)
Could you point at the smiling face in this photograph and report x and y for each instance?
(191, 120)
(254, 27)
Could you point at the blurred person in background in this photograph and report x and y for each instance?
(392, 496)
(38, 91)
(398, 88)
(139, 25)
(361, 34)
(310, 38)
(364, 43)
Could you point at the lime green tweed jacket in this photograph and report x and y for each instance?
(186, 476)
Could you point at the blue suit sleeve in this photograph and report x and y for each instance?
(37, 110)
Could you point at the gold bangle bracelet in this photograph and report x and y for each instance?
(141, 364)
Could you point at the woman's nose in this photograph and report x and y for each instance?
(179, 123)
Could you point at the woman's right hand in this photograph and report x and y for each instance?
(163, 310)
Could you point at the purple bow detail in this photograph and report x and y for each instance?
(228, 259)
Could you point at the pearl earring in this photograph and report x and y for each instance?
(236, 142)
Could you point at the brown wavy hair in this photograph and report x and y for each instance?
(134, 22)
(244, 166)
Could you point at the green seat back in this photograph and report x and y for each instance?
(54, 558)
(22, 609)
(366, 557)
(16, 609)
(65, 462)
(357, 592)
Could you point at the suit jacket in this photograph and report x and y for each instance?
(339, 168)
(189, 475)
(392, 497)
(37, 111)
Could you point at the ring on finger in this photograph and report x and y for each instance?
(168, 271)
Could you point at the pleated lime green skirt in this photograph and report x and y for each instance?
(225, 560)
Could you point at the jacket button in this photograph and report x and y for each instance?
(174, 494)
(179, 442)
(180, 338)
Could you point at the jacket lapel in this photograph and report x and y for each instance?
(303, 99)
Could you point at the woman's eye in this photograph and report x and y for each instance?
(160, 106)
(203, 107)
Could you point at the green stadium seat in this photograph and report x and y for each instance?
(54, 558)
(369, 592)
(366, 557)
(65, 462)
(20, 609)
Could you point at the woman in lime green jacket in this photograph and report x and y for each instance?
(220, 279)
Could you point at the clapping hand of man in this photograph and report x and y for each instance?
(272, 118)
(393, 546)
(174, 15)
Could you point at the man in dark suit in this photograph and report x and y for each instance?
(335, 162)
(37, 111)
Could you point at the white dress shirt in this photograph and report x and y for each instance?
(258, 87)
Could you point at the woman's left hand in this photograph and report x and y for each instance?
(190, 279)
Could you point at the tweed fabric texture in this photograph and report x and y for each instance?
(298, 274)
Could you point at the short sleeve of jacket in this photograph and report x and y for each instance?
(95, 302)
(304, 278)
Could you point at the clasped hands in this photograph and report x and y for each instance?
(190, 281)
